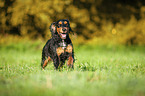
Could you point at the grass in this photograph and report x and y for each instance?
(99, 71)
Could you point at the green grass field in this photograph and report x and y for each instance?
(98, 71)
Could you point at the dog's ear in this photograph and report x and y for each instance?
(70, 30)
(53, 28)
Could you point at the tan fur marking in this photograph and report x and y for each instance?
(65, 22)
(58, 30)
(69, 49)
(59, 51)
(70, 61)
(60, 22)
(46, 62)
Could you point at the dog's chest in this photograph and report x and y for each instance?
(63, 48)
(63, 44)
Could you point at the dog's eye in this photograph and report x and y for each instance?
(59, 26)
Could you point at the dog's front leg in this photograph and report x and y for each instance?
(70, 61)
(56, 62)
(69, 49)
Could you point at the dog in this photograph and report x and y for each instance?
(59, 48)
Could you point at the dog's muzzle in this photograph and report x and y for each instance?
(63, 35)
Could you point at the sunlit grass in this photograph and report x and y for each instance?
(99, 71)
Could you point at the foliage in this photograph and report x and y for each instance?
(99, 70)
(90, 19)
(131, 33)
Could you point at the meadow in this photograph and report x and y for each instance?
(98, 71)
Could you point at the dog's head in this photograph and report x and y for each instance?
(63, 28)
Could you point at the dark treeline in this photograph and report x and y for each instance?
(89, 18)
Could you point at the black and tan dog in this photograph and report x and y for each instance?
(59, 48)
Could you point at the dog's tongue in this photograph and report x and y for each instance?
(63, 35)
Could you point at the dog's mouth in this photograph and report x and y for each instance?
(63, 35)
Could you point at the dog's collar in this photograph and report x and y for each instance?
(63, 44)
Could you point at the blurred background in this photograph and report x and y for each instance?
(93, 21)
